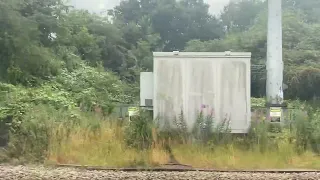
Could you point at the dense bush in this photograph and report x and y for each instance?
(44, 126)
(84, 88)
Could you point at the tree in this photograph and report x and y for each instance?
(301, 52)
(47, 14)
(40, 39)
(240, 15)
(311, 8)
(176, 22)
(22, 59)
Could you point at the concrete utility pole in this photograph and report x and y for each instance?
(274, 54)
(274, 64)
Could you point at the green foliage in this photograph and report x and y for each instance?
(19, 43)
(299, 130)
(181, 127)
(175, 21)
(203, 129)
(258, 102)
(314, 129)
(300, 50)
(50, 44)
(30, 139)
(86, 88)
(139, 131)
(94, 87)
(238, 16)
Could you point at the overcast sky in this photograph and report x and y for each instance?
(96, 5)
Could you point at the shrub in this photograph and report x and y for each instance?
(314, 127)
(30, 136)
(139, 131)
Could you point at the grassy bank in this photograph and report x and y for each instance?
(109, 149)
(74, 137)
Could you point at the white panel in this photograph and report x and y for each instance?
(204, 54)
(189, 80)
(146, 87)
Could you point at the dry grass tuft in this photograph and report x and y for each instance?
(107, 148)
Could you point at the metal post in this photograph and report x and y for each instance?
(274, 63)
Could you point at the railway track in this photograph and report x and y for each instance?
(165, 172)
(184, 168)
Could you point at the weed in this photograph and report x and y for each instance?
(139, 131)
(71, 136)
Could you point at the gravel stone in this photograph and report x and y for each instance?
(43, 173)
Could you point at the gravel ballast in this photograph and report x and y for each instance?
(43, 173)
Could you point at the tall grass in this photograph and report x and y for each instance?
(73, 137)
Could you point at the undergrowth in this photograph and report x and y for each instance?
(51, 135)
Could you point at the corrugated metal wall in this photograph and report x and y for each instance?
(215, 85)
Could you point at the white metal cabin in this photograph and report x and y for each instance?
(214, 82)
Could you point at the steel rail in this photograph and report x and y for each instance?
(184, 168)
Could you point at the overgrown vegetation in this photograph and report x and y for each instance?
(58, 136)
(63, 71)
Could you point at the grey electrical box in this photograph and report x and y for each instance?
(148, 102)
(146, 89)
